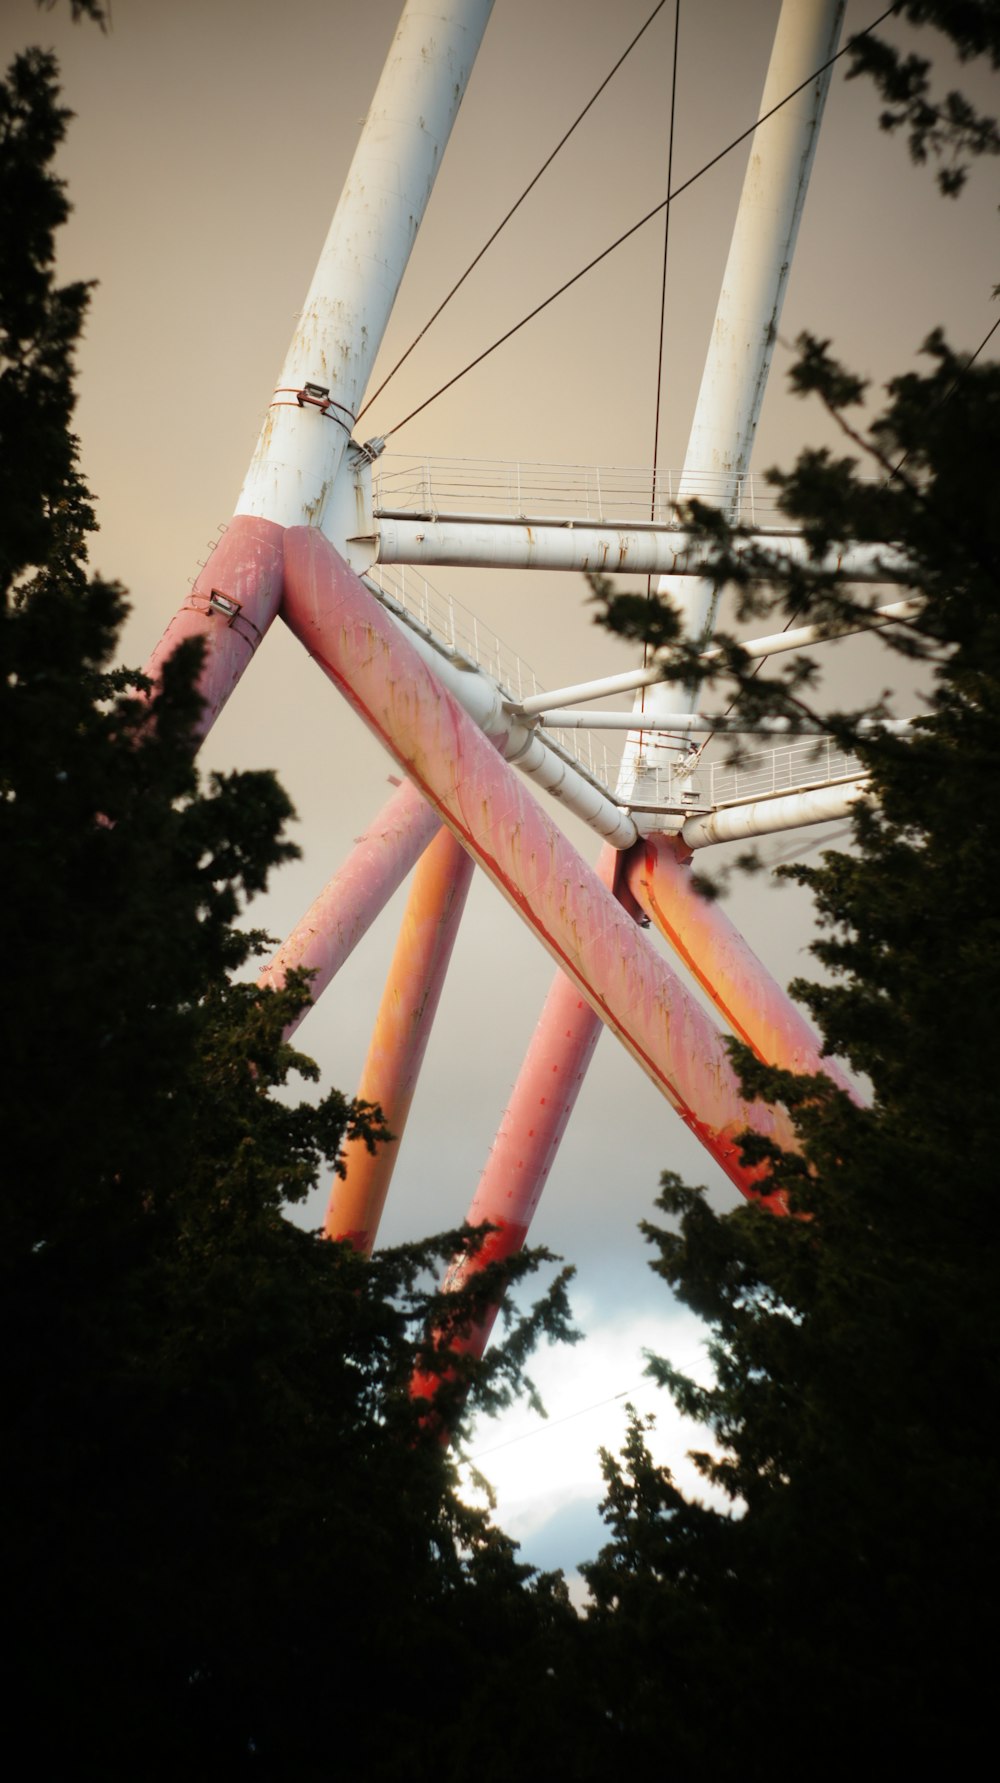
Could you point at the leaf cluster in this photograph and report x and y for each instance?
(945, 128)
(225, 1512)
(854, 1345)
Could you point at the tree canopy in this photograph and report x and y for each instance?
(231, 1541)
(227, 1527)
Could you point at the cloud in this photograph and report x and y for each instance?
(546, 1472)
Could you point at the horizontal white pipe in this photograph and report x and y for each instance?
(589, 690)
(520, 744)
(566, 718)
(737, 823)
(607, 550)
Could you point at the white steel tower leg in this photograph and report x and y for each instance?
(749, 308)
(362, 262)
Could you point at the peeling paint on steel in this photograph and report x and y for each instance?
(363, 258)
(246, 567)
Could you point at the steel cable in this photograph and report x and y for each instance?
(628, 233)
(563, 140)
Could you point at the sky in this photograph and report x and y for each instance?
(210, 142)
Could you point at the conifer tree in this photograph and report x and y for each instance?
(225, 1527)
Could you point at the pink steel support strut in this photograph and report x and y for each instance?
(529, 1136)
(402, 1030)
(529, 859)
(749, 999)
(726, 418)
(349, 903)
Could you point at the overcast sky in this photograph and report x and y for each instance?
(210, 144)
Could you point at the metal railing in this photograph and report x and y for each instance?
(662, 783)
(600, 494)
(817, 761)
(451, 626)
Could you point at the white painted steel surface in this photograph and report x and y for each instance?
(799, 639)
(753, 286)
(707, 723)
(767, 816)
(472, 544)
(300, 448)
(513, 489)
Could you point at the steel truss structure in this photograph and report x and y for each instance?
(319, 522)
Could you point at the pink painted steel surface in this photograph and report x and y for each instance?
(230, 607)
(529, 1137)
(402, 1030)
(658, 874)
(349, 903)
(530, 860)
(532, 1128)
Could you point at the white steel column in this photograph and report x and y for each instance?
(354, 286)
(753, 290)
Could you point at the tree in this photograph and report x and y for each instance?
(224, 1517)
(845, 1603)
(947, 130)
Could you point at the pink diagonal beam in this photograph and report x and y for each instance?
(349, 903)
(750, 1000)
(532, 863)
(402, 1030)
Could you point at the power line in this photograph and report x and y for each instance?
(628, 233)
(514, 207)
(553, 1423)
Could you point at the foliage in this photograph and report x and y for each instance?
(845, 1603)
(225, 1517)
(948, 129)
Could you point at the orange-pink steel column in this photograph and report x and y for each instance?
(350, 901)
(751, 1001)
(532, 1128)
(402, 1030)
(531, 861)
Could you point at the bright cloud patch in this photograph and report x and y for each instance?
(546, 1472)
